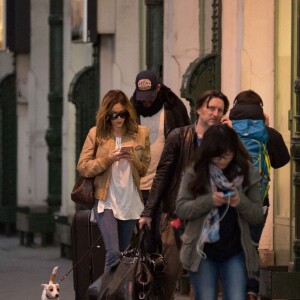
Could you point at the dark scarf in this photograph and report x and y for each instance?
(153, 109)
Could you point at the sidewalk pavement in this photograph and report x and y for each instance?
(24, 269)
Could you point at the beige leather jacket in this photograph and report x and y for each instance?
(100, 166)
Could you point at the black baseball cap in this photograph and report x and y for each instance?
(146, 83)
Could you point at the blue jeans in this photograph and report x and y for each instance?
(232, 275)
(116, 235)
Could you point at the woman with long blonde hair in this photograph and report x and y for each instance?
(122, 158)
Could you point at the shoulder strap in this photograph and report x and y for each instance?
(96, 146)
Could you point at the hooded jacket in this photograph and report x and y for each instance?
(278, 152)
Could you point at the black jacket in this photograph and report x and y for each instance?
(176, 114)
(178, 151)
(278, 152)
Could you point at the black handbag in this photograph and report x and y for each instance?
(84, 190)
(134, 277)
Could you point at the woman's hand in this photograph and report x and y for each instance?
(128, 155)
(235, 199)
(115, 155)
(218, 198)
(145, 220)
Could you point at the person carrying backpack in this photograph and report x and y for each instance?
(267, 149)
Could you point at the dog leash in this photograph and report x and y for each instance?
(78, 262)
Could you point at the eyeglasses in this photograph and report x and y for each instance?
(214, 108)
(226, 156)
(122, 115)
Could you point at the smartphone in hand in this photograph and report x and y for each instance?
(228, 193)
(126, 149)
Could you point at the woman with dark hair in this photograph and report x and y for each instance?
(219, 198)
(122, 158)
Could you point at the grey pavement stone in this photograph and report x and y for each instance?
(24, 269)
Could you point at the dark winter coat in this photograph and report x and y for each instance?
(178, 151)
(176, 114)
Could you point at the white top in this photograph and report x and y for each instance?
(155, 124)
(122, 197)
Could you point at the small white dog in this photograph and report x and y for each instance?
(51, 290)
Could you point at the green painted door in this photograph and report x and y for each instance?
(8, 153)
(84, 93)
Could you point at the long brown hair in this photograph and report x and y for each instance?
(103, 122)
(218, 140)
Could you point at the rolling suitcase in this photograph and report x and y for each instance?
(88, 253)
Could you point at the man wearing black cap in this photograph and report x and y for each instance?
(161, 111)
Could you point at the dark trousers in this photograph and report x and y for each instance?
(256, 232)
(155, 225)
(170, 252)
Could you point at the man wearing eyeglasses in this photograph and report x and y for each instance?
(178, 151)
(159, 109)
